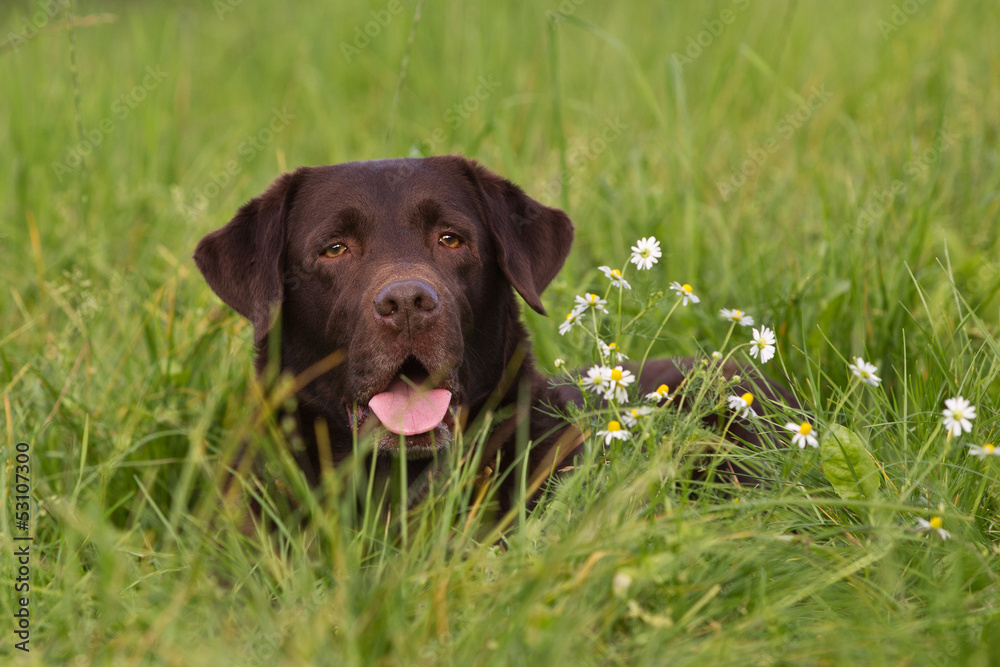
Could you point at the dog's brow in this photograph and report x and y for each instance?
(346, 222)
(429, 212)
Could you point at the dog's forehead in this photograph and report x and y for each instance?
(385, 188)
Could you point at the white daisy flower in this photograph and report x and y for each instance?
(866, 371)
(684, 291)
(609, 350)
(958, 416)
(762, 343)
(597, 379)
(741, 405)
(662, 392)
(933, 526)
(737, 316)
(620, 584)
(645, 253)
(614, 432)
(618, 382)
(615, 276)
(559, 363)
(803, 435)
(572, 319)
(631, 416)
(590, 301)
(984, 451)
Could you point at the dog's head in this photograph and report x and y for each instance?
(404, 265)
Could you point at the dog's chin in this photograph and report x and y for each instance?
(419, 446)
(397, 402)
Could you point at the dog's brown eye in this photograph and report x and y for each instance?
(449, 241)
(334, 250)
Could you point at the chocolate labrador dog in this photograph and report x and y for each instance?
(400, 276)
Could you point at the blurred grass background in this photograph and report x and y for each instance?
(866, 224)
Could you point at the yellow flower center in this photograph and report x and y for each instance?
(663, 390)
(613, 346)
(687, 288)
(936, 522)
(569, 316)
(747, 398)
(616, 375)
(988, 448)
(614, 426)
(635, 413)
(956, 415)
(616, 273)
(805, 428)
(737, 314)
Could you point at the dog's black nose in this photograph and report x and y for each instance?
(406, 300)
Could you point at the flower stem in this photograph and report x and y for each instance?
(649, 348)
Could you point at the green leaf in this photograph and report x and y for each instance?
(847, 464)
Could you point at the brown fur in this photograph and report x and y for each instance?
(390, 214)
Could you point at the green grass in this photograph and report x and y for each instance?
(129, 378)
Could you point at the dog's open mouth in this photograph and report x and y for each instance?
(412, 410)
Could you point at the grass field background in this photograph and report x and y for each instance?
(832, 168)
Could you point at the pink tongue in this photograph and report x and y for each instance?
(407, 410)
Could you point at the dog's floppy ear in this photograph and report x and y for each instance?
(243, 262)
(532, 239)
